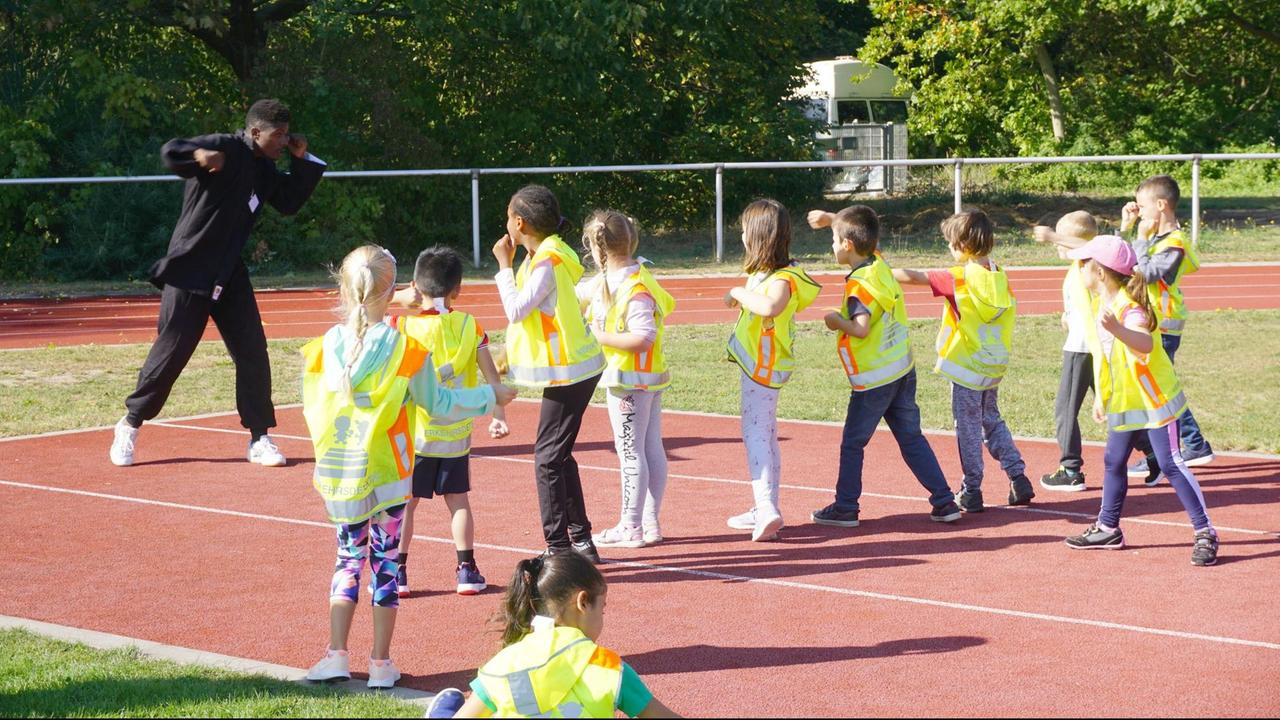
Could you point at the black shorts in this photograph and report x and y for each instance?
(441, 476)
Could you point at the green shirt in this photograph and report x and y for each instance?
(633, 696)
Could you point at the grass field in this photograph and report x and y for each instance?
(40, 677)
(1235, 391)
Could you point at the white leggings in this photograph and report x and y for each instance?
(760, 435)
(636, 416)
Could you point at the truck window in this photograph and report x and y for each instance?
(814, 109)
(852, 111)
(889, 111)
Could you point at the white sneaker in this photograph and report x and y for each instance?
(652, 533)
(745, 521)
(382, 673)
(621, 536)
(122, 445)
(766, 528)
(335, 665)
(265, 453)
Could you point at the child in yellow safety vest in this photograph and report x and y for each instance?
(1165, 255)
(873, 344)
(761, 345)
(626, 309)
(551, 665)
(358, 383)
(443, 463)
(974, 346)
(1138, 395)
(1072, 231)
(549, 347)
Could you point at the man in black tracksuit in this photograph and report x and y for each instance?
(230, 178)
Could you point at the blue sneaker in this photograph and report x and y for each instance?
(470, 581)
(446, 703)
(1138, 469)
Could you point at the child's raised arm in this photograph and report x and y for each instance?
(770, 304)
(819, 219)
(859, 326)
(1138, 339)
(1046, 234)
(911, 277)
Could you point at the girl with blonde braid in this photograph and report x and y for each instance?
(626, 309)
(357, 382)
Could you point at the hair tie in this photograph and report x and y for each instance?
(564, 222)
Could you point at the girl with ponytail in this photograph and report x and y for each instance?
(358, 383)
(550, 664)
(1137, 395)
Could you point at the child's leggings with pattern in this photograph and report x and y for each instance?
(382, 532)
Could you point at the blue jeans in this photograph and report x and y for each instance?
(1193, 442)
(896, 403)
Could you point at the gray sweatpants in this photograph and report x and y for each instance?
(978, 421)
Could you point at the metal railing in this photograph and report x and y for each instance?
(719, 169)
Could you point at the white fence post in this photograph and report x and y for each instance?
(475, 216)
(719, 212)
(958, 181)
(1195, 201)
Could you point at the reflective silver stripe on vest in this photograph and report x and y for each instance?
(965, 376)
(383, 496)
(521, 685)
(1142, 418)
(445, 448)
(1171, 325)
(557, 373)
(875, 378)
(740, 354)
(615, 378)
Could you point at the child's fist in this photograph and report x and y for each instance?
(1042, 234)
(1110, 322)
(729, 300)
(504, 251)
(407, 297)
(498, 429)
(833, 320)
(504, 394)
(819, 219)
(1099, 415)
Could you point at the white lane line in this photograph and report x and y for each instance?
(929, 602)
(732, 481)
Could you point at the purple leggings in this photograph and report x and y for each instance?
(376, 539)
(1115, 484)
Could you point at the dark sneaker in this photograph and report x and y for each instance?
(470, 581)
(1139, 469)
(1205, 551)
(831, 515)
(970, 500)
(1095, 538)
(1020, 491)
(402, 581)
(1153, 475)
(1063, 480)
(948, 513)
(446, 703)
(1196, 459)
(587, 549)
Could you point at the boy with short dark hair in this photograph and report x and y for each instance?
(459, 348)
(874, 346)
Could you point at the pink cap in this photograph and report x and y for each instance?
(1110, 251)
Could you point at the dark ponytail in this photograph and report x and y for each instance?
(542, 586)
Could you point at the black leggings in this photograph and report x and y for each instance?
(564, 514)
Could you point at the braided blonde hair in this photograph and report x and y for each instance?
(611, 233)
(367, 276)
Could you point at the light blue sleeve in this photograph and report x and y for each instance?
(448, 405)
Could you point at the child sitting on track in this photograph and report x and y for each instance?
(874, 346)
(626, 308)
(550, 665)
(1138, 394)
(357, 382)
(974, 345)
(1072, 231)
(761, 345)
(443, 464)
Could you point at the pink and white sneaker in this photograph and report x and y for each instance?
(622, 536)
(335, 665)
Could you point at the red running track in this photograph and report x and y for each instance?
(305, 313)
(993, 616)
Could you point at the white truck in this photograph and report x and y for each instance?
(863, 119)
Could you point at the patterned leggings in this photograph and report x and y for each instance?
(353, 543)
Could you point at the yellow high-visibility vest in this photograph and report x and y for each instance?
(1137, 391)
(452, 340)
(974, 349)
(637, 370)
(363, 448)
(1084, 304)
(761, 346)
(556, 672)
(884, 355)
(1167, 297)
(545, 350)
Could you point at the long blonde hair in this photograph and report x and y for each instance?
(367, 276)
